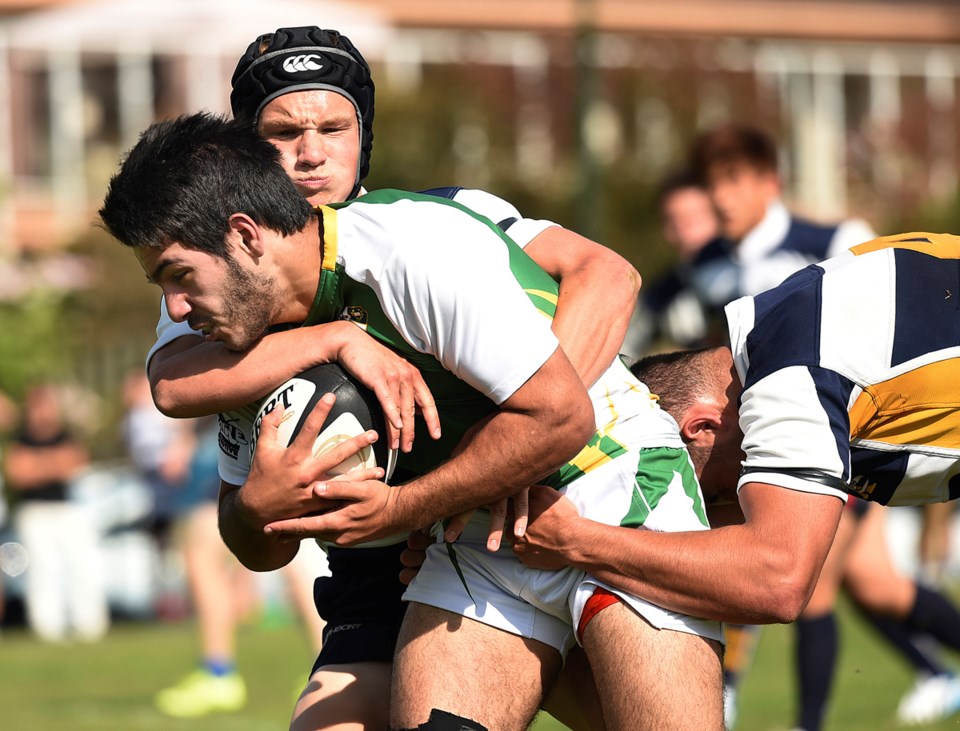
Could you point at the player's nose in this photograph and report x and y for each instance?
(177, 306)
(312, 150)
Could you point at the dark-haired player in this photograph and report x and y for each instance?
(738, 165)
(236, 254)
(320, 116)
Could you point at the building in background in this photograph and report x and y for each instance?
(863, 92)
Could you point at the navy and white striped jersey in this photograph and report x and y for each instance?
(851, 374)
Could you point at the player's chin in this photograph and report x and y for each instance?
(237, 343)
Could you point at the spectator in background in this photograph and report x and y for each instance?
(65, 594)
(8, 418)
(160, 448)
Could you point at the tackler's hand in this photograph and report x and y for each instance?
(541, 545)
(397, 384)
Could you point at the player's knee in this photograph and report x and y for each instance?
(444, 721)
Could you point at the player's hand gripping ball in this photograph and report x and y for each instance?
(356, 410)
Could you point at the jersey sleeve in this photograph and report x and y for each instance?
(504, 214)
(793, 412)
(234, 439)
(468, 305)
(168, 331)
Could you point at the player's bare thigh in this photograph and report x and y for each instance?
(352, 697)
(870, 576)
(469, 669)
(653, 680)
(831, 574)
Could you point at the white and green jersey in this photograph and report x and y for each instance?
(448, 290)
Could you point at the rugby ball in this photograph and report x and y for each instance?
(355, 411)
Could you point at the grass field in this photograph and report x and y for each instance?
(109, 686)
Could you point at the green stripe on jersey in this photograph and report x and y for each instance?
(599, 450)
(660, 470)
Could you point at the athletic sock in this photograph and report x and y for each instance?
(895, 633)
(218, 667)
(817, 644)
(934, 614)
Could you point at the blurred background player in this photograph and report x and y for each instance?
(65, 594)
(221, 592)
(765, 242)
(890, 602)
(934, 546)
(669, 309)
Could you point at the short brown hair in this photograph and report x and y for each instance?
(731, 144)
(677, 379)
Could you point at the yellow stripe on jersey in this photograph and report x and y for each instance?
(942, 246)
(542, 294)
(329, 220)
(919, 408)
(545, 302)
(599, 450)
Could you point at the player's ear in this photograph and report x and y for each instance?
(246, 234)
(701, 421)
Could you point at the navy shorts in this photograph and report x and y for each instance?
(360, 602)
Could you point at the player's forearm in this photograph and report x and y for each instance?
(509, 452)
(761, 571)
(193, 378)
(254, 549)
(685, 572)
(593, 312)
(696, 573)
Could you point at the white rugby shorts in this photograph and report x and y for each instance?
(650, 489)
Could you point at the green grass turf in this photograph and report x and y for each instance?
(109, 686)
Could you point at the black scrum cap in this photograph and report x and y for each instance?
(301, 59)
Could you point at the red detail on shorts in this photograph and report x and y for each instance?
(600, 600)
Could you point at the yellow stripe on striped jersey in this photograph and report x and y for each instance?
(921, 407)
(941, 246)
(542, 294)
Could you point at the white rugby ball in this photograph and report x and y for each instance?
(355, 411)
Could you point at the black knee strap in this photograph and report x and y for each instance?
(443, 721)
